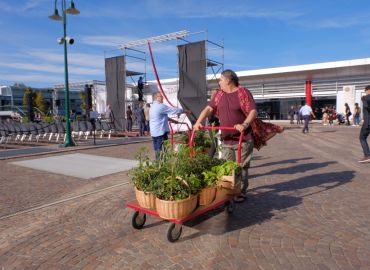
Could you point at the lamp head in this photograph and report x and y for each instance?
(72, 10)
(55, 16)
(69, 40)
(60, 40)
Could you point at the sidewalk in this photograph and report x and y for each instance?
(308, 208)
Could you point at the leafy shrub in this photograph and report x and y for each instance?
(215, 173)
(201, 139)
(144, 176)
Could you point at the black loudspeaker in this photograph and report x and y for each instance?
(88, 97)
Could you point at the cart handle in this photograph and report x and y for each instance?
(171, 130)
(221, 128)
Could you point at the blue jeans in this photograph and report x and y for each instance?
(147, 126)
(356, 120)
(364, 133)
(306, 118)
(129, 125)
(158, 144)
(141, 128)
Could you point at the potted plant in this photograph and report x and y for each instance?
(176, 187)
(228, 173)
(202, 141)
(143, 178)
(222, 175)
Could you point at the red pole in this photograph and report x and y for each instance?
(156, 75)
(309, 93)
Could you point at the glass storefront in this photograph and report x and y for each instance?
(277, 109)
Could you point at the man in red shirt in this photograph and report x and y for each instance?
(235, 107)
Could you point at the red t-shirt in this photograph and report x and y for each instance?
(230, 113)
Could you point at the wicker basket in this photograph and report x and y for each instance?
(176, 209)
(145, 199)
(229, 181)
(207, 195)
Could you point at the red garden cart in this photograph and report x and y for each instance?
(223, 197)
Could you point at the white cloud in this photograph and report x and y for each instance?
(191, 9)
(237, 13)
(108, 41)
(30, 4)
(53, 68)
(19, 7)
(5, 6)
(81, 59)
(33, 67)
(342, 22)
(39, 78)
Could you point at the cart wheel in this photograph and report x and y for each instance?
(230, 206)
(174, 232)
(138, 220)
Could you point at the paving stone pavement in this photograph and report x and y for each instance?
(308, 208)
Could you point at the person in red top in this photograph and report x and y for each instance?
(235, 107)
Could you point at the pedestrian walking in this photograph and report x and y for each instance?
(365, 130)
(348, 113)
(306, 112)
(356, 116)
(232, 112)
(291, 114)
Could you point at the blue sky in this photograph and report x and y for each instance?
(256, 34)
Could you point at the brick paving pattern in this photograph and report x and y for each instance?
(308, 208)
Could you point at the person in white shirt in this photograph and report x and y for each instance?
(306, 112)
(158, 122)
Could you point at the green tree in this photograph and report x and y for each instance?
(28, 92)
(39, 102)
(83, 100)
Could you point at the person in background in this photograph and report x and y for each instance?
(146, 114)
(140, 117)
(356, 116)
(299, 115)
(235, 107)
(158, 122)
(129, 118)
(140, 87)
(325, 115)
(38, 117)
(291, 114)
(347, 113)
(306, 112)
(365, 130)
(332, 115)
(110, 116)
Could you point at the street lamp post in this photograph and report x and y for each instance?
(64, 40)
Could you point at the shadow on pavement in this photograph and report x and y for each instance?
(264, 201)
(301, 168)
(294, 160)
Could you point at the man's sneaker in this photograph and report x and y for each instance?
(364, 159)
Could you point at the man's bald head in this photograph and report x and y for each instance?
(158, 97)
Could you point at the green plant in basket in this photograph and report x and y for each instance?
(176, 180)
(144, 175)
(201, 140)
(215, 173)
